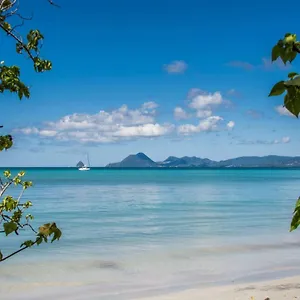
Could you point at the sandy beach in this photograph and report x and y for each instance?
(288, 288)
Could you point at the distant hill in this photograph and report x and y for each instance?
(80, 164)
(141, 160)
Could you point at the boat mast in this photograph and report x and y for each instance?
(88, 160)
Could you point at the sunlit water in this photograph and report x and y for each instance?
(128, 233)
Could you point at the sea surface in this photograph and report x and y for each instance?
(131, 233)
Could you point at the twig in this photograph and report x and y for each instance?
(16, 252)
(9, 32)
(5, 187)
(52, 3)
(27, 224)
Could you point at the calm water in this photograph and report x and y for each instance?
(134, 232)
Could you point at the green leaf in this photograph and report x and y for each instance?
(27, 184)
(39, 240)
(292, 56)
(289, 38)
(6, 26)
(295, 82)
(278, 89)
(21, 174)
(10, 227)
(27, 204)
(292, 74)
(7, 174)
(28, 244)
(292, 102)
(56, 235)
(297, 205)
(50, 229)
(296, 217)
(283, 55)
(275, 52)
(29, 217)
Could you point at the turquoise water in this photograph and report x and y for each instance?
(140, 232)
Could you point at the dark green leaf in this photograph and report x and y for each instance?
(292, 74)
(275, 52)
(292, 102)
(295, 82)
(56, 235)
(278, 89)
(297, 205)
(28, 244)
(296, 217)
(39, 240)
(6, 26)
(292, 56)
(10, 227)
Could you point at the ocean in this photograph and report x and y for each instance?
(130, 233)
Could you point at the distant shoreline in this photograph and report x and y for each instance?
(157, 168)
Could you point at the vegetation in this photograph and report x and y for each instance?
(13, 217)
(287, 49)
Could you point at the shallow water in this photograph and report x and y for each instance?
(141, 232)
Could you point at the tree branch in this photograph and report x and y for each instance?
(16, 252)
(9, 32)
(5, 187)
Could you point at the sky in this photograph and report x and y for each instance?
(160, 77)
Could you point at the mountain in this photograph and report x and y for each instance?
(141, 160)
(187, 161)
(80, 164)
(263, 161)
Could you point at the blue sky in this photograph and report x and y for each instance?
(162, 77)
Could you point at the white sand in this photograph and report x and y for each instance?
(288, 288)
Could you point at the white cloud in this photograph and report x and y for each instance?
(180, 113)
(201, 104)
(176, 67)
(206, 100)
(204, 113)
(230, 125)
(193, 92)
(204, 103)
(283, 111)
(146, 130)
(209, 124)
(151, 105)
(285, 139)
(105, 127)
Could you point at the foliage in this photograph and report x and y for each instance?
(287, 49)
(13, 217)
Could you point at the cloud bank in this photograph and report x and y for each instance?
(104, 127)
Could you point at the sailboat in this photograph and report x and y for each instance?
(84, 167)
